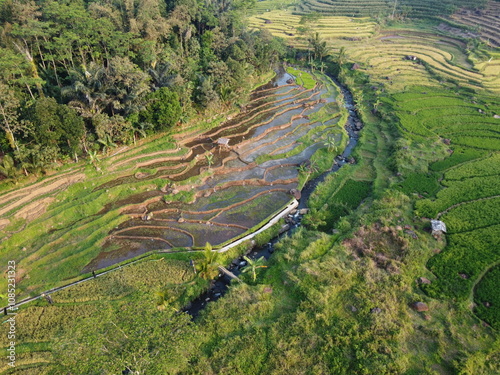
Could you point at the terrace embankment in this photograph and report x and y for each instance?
(225, 190)
(175, 192)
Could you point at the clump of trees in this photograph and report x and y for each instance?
(79, 77)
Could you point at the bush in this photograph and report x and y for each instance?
(163, 109)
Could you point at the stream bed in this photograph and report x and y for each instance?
(221, 285)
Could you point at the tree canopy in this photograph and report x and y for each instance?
(77, 76)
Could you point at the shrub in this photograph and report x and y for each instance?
(163, 109)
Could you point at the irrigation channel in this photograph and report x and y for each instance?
(221, 285)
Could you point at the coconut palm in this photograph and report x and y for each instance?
(87, 93)
(322, 66)
(207, 267)
(319, 46)
(341, 57)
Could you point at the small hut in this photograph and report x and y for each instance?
(438, 228)
(223, 142)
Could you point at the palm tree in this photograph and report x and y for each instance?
(94, 160)
(141, 129)
(253, 265)
(87, 93)
(313, 65)
(319, 46)
(322, 66)
(208, 268)
(161, 75)
(341, 57)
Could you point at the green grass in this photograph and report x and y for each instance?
(460, 155)
(427, 185)
(302, 78)
(310, 309)
(328, 208)
(487, 297)
(474, 215)
(468, 254)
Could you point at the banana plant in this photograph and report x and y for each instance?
(253, 265)
(8, 169)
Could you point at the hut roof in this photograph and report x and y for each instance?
(223, 141)
(438, 225)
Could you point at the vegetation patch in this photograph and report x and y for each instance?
(426, 185)
(302, 78)
(487, 299)
(327, 209)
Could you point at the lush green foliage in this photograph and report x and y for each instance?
(466, 256)
(427, 185)
(327, 209)
(474, 215)
(479, 168)
(82, 349)
(487, 297)
(163, 109)
(457, 192)
(325, 304)
(125, 71)
(460, 155)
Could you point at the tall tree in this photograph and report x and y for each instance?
(319, 46)
(162, 110)
(56, 125)
(9, 115)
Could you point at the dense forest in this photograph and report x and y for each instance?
(77, 76)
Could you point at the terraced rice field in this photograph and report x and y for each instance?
(443, 92)
(172, 193)
(441, 53)
(487, 21)
(443, 57)
(468, 201)
(287, 25)
(418, 8)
